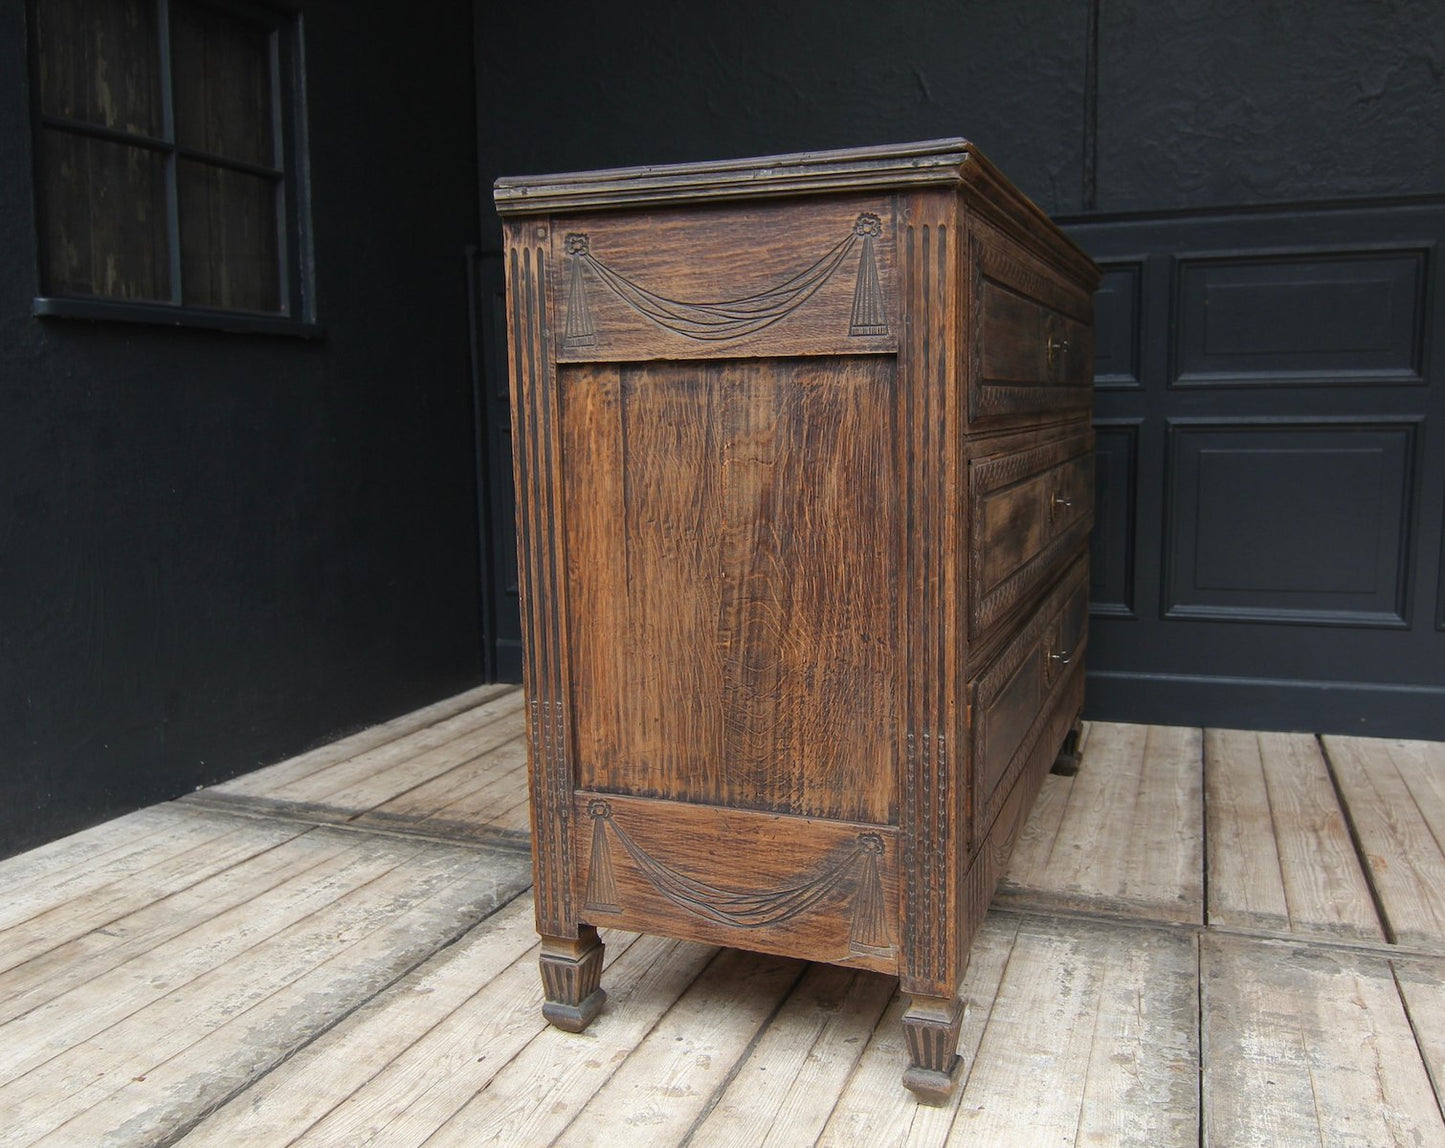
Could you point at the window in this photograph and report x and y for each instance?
(168, 146)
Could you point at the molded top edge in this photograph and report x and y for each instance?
(891, 165)
(953, 162)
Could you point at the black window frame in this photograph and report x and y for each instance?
(284, 26)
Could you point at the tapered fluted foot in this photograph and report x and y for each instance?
(930, 1027)
(571, 975)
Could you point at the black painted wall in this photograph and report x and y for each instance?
(1088, 105)
(216, 550)
(1189, 145)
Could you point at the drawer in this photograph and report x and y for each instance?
(1033, 337)
(1011, 701)
(1030, 510)
(1066, 634)
(1028, 344)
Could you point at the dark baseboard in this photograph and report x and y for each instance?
(1361, 708)
(509, 660)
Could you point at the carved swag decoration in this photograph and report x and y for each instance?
(730, 318)
(743, 910)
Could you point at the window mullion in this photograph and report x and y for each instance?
(279, 121)
(211, 159)
(101, 132)
(168, 131)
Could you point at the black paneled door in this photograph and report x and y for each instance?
(1271, 471)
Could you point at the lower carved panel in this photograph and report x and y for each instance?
(821, 890)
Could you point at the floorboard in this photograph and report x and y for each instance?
(462, 776)
(443, 744)
(477, 795)
(1422, 990)
(77, 961)
(1102, 1023)
(668, 1074)
(1308, 1046)
(194, 850)
(170, 833)
(271, 778)
(38, 873)
(471, 788)
(1395, 791)
(1125, 834)
(787, 1085)
(153, 1041)
(1206, 936)
(872, 1109)
(1280, 854)
(462, 756)
(425, 1027)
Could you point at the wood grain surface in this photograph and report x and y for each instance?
(1397, 792)
(1306, 1046)
(729, 529)
(232, 966)
(1280, 854)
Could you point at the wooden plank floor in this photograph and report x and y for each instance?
(1207, 936)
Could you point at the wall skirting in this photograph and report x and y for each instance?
(1366, 709)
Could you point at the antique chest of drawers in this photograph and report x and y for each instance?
(804, 472)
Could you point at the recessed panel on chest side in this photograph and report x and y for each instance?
(732, 539)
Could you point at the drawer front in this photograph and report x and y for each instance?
(1033, 336)
(1029, 345)
(1030, 510)
(1012, 701)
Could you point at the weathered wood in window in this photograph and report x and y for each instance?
(105, 219)
(100, 64)
(229, 249)
(160, 168)
(222, 71)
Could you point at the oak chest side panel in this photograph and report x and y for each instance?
(731, 529)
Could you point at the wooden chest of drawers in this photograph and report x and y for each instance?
(804, 473)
